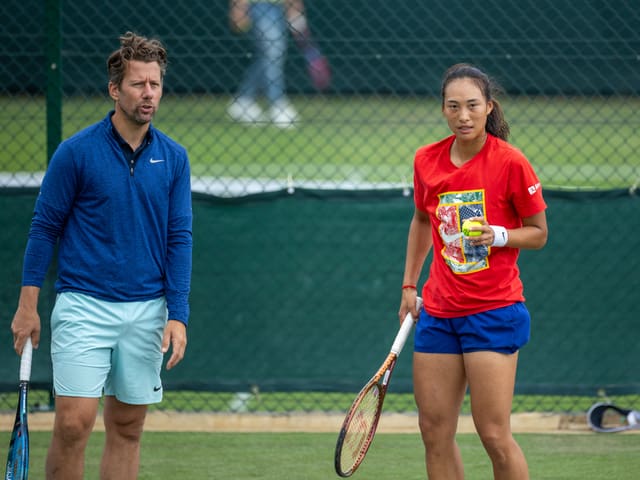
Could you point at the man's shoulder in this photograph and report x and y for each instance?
(165, 139)
(87, 136)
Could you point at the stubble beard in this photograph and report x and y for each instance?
(137, 117)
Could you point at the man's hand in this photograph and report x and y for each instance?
(175, 336)
(26, 321)
(239, 16)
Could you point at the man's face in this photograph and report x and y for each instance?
(138, 97)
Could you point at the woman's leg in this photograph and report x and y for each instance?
(439, 387)
(491, 379)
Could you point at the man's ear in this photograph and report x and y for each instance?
(114, 92)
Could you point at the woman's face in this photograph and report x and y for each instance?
(466, 109)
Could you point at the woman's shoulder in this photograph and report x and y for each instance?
(503, 145)
(506, 150)
(435, 147)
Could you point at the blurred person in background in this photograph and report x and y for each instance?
(268, 22)
(474, 320)
(116, 202)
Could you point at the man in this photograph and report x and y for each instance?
(116, 199)
(268, 22)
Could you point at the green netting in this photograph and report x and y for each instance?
(300, 291)
(569, 74)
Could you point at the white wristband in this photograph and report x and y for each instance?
(500, 236)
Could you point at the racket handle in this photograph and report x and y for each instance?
(405, 329)
(25, 361)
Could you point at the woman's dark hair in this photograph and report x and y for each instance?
(496, 123)
(137, 48)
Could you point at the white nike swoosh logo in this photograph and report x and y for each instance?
(155, 161)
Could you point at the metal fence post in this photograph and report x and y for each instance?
(54, 76)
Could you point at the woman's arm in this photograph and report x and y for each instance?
(419, 242)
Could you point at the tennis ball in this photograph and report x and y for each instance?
(466, 228)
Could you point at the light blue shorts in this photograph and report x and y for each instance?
(110, 348)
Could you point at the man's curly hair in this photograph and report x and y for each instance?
(137, 48)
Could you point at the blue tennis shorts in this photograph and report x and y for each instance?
(503, 330)
(110, 348)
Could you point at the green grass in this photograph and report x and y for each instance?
(303, 456)
(287, 402)
(305, 402)
(283, 402)
(572, 142)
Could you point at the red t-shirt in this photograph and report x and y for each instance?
(498, 184)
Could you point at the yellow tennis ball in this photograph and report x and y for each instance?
(466, 228)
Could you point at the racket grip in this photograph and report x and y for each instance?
(25, 361)
(405, 329)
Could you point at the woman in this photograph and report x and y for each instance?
(474, 320)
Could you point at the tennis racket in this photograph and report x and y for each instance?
(359, 426)
(608, 418)
(18, 458)
(317, 64)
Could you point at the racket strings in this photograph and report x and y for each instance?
(360, 427)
